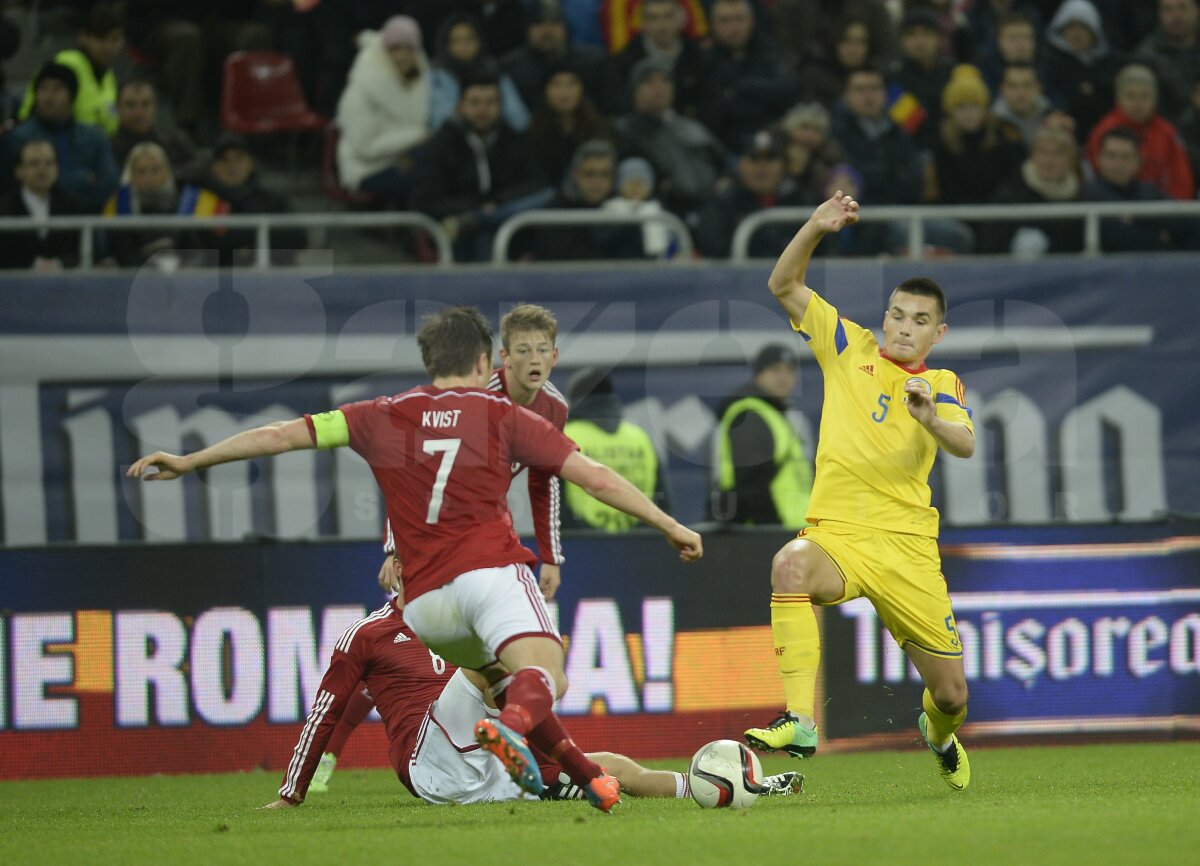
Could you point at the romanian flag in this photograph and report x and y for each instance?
(905, 111)
(621, 20)
(193, 201)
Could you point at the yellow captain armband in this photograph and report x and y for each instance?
(331, 429)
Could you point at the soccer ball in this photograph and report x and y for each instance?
(725, 775)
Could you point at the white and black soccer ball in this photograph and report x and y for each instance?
(725, 775)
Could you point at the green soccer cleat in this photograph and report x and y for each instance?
(783, 784)
(952, 763)
(323, 773)
(785, 734)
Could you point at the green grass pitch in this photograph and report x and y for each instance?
(1088, 805)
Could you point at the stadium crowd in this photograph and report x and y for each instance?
(471, 111)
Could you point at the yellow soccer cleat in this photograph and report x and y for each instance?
(785, 734)
(952, 763)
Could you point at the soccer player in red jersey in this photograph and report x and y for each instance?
(528, 353)
(430, 709)
(442, 454)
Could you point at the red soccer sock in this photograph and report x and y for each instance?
(552, 738)
(357, 707)
(527, 700)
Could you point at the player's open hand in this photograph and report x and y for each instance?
(836, 213)
(391, 575)
(279, 804)
(919, 403)
(687, 542)
(549, 580)
(168, 467)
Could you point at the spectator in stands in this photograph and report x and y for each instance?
(37, 196)
(887, 158)
(1165, 160)
(619, 21)
(975, 152)
(101, 40)
(983, 26)
(1022, 104)
(1117, 164)
(548, 47)
(138, 121)
(1050, 174)
(589, 183)
(1189, 129)
(763, 476)
(662, 39)
(188, 43)
(599, 429)
(686, 156)
(461, 56)
(1016, 42)
(1079, 66)
(477, 171)
(1173, 52)
(635, 195)
(233, 175)
(809, 152)
(760, 181)
(916, 85)
(746, 86)
(566, 117)
(810, 32)
(502, 22)
(87, 171)
(148, 187)
(854, 47)
(384, 112)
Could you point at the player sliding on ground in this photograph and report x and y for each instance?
(528, 354)
(442, 454)
(871, 531)
(430, 710)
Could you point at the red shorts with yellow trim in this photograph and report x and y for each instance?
(900, 574)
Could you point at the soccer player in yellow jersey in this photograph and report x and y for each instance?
(871, 530)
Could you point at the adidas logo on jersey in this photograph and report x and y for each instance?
(401, 638)
(869, 369)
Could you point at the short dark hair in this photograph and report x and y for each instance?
(867, 69)
(101, 20)
(482, 73)
(452, 339)
(36, 142)
(1020, 66)
(131, 83)
(1122, 133)
(1014, 17)
(925, 287)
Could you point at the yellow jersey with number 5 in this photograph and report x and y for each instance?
(873, 458)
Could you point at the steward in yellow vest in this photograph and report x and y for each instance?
(597, 427)
(763, 475)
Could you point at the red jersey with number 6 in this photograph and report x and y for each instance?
(443, 459)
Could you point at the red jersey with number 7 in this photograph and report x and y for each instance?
(443, 459)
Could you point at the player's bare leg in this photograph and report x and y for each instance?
(801, 573)
(945, 709)
(526, 715)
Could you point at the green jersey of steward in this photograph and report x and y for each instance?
(873, 458)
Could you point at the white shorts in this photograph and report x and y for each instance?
(448, 766)
(471, 619)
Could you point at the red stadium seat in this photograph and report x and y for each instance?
(261, 95)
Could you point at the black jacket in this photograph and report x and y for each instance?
(752, 447)
(19, 249)
(450, 180)
(745, 91)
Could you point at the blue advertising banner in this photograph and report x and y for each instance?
(1083, 377)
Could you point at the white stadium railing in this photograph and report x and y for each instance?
(88, 226)
(552, 217)
(916, 216)
(913, 217)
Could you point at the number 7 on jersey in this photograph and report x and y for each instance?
(449, 451)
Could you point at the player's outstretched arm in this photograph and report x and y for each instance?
(601, 482)
(787, 279)
(274, 438)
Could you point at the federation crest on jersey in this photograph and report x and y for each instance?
(922, 383)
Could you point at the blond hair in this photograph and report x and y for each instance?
(524, 318)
